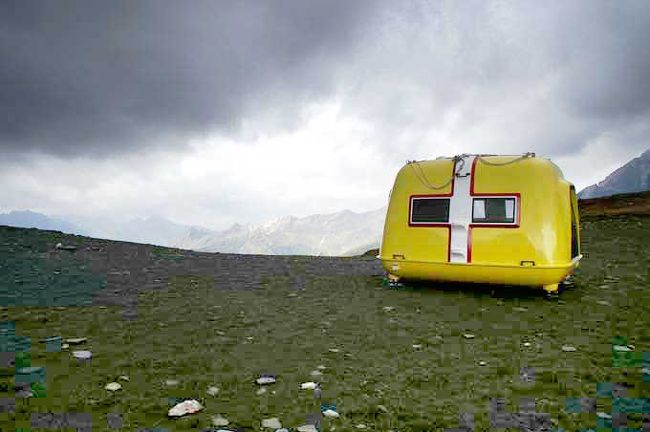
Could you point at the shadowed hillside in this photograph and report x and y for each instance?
(622, 204)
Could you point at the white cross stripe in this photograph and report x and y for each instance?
(460, 210)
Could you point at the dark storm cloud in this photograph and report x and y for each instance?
(606, 50)
(96, 77)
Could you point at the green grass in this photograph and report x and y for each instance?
(199, 336)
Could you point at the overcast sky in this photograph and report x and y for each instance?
(215, 112)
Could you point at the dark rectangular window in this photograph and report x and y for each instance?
(429, 210)
(494, 210)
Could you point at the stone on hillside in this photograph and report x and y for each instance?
(218, 420)
(310, 385)
(568, 348)
(113, 386)
(307, 428)
(623, 348)
(316, 373)
(171, 382)
(468, 336)
(189, 406)
(61, 246)
(213, 390)
(329, 413)
(82, 355)
(266, 379)
(260, 391)
(271, 423)
(76, 341)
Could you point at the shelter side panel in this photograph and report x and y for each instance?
(541, 233)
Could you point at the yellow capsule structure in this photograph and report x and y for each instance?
(507, 220)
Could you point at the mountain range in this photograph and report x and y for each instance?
(344, 233)
(634, 176)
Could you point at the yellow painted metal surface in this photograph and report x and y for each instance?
(537, 251)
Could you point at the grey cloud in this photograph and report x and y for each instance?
(99, 77)
(547, 77)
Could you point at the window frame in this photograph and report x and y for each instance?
(516, 211)
(428, 197)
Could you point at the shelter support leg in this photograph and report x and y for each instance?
(552, 288)
(393, 278)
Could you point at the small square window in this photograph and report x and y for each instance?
(494, 210)
(429, 210)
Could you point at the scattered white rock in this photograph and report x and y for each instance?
(123, 378)
(76, 341)
(334, 350)
(310, 385)
(603, 415)
(361, 426)
(113, 386)
(189, 406)
(482, 363)
(568, 348)
(261, 391)
(321, 367)
(468, 336)
(520, 309)
(292, 295)
(65, 346)
(271, 423)
(213, 391)
(82, 355)
(417, 346)
(526, 344)
(623, 348)
(603, 303)
(330, 413)
(219, 421)
(171, 382)
(389, 308)
(66, 247)
(307, 428)
(266, 379)
(382, 408)
(316, 373)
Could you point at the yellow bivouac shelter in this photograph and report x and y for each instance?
(509, 220)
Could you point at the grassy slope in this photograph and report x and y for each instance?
(198, 335)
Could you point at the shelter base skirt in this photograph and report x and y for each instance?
(546, 276)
